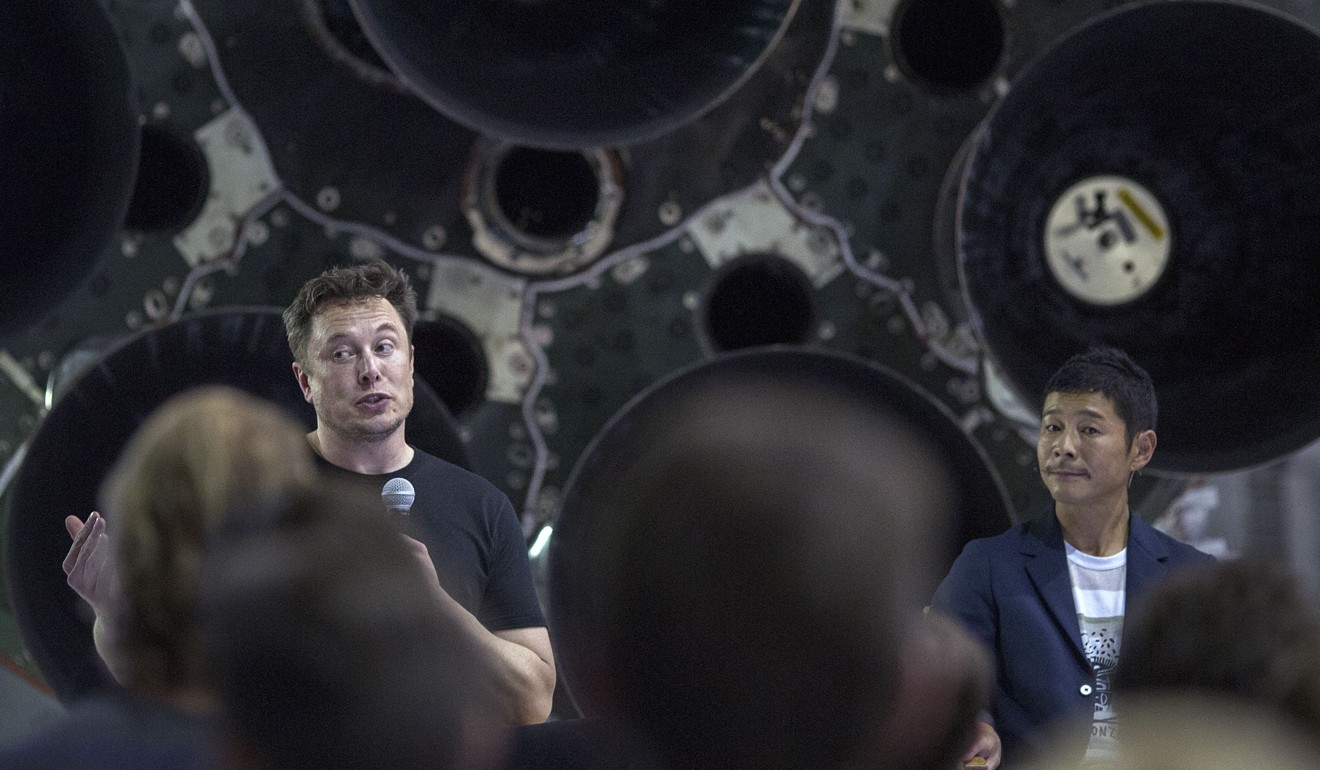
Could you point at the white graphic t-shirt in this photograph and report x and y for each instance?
(1099, 586)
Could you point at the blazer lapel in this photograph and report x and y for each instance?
(1147, 556)
(1047, 566)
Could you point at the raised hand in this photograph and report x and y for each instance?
(89, 566)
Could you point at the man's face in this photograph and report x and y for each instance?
(359, 369)
(1083, 451)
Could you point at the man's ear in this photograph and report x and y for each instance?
(1143, 447)
(303, 382)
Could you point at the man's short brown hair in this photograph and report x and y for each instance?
(353, 283)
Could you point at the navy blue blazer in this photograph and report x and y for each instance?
(1012, 591)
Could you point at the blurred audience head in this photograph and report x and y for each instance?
(755, 554)
(1237, 628)
(328, 647)
(200, 454)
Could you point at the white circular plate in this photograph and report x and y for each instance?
(1107, 240)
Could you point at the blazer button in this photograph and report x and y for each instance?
(1085, 689)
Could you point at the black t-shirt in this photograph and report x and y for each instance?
(473, 536)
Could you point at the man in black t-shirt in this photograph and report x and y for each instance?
(350, 330)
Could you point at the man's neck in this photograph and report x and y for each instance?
(1098, 529)
(372, 458)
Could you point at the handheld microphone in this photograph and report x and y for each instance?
(398, 495)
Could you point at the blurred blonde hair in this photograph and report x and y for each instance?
(201, 454)
(1193, 732)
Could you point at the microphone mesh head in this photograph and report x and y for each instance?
(398, 494)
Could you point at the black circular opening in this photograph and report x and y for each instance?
(546, 194)
(948, 46)
(173, 181)
(450, 359)
(69, 128)
(759, 300)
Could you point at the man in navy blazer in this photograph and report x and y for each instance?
(1047, 597)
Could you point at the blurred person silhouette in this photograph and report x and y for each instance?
(1240, 629)
(738, 575)
(1048, 597)
(327, 648)
(198, 455)
(944, 682)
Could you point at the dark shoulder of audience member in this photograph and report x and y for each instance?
(757, 574)
(1241, 629)
(328, 647)
(946, 682)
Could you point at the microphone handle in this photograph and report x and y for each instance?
(403, 521)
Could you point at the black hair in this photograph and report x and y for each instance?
(1113, 374)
